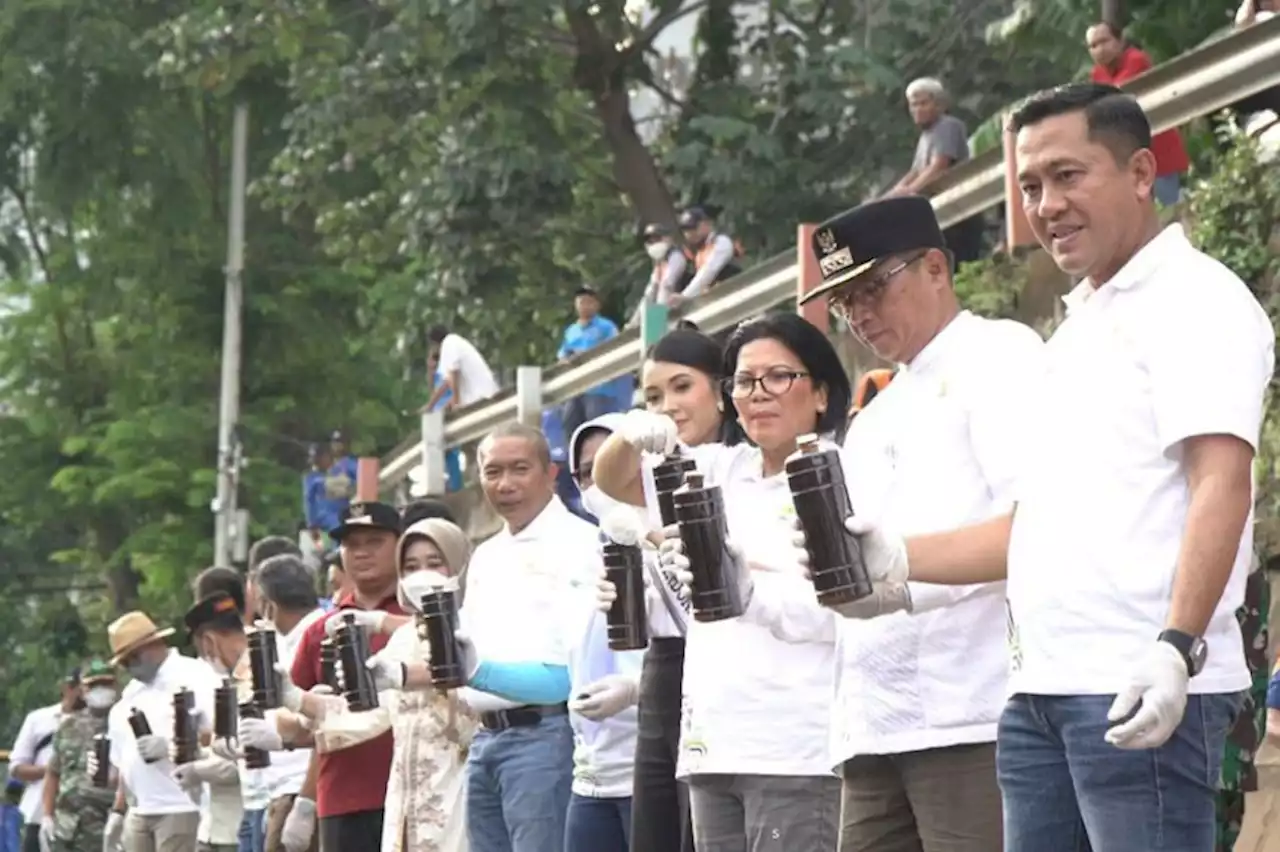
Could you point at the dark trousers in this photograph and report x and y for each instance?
(965, 239)
(659, 803)
(31, 837)
(597, 825)
(357, 832)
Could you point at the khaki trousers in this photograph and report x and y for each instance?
(161, 833)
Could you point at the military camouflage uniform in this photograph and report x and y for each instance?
(80, 809)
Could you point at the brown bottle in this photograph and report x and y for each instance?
(438, 626)
(139, 725)
(821, 500)
(715, 593)
(263, 659)
(667, 477)
(627, 620)
(329, 664)
(102, 753)
(254, 758)
(186, 735)
(226, 711)
(353, 653)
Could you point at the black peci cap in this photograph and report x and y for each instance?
(367, 515)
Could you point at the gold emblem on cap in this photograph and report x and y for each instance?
(357, 509)
(826, 241)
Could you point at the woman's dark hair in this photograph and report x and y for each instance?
(814, 351)
(693, 349)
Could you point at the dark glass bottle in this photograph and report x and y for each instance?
(139, 725)
(667, 477)
(102, 753)
(353, 653)
(627, 621)
(329, 665)
(263, 659)
(715, 592)
(186, 735)
(254, 758)
(438, 627)
(226, 711)
(821, 499)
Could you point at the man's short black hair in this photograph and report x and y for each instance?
(420, 510)
(210, 581)
(437, 334)
(273, 545)
(1114, 118)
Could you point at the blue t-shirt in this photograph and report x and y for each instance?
(579, 338)
(328, 493)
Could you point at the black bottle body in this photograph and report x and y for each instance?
(186, 736)
(263, 659)
(102, 754)
(139, 725)
(438, 627)
(353, 653)
(821, 499)
(667, 478)
(627, 621)
(226, 711)
(715, 591)
(329, 665)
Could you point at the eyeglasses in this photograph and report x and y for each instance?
(843, 301)
(773, 383)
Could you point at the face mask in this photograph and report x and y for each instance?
(597, 502)
(414, 586)
(100, 697)
(143, 670)
(657, 250)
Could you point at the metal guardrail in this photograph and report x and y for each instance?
(1194, 84)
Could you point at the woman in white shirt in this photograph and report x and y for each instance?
(756, 709)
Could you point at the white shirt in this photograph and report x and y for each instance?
(940, 448)
(475, 379)
(753, 703)
(222, 803)
(521, 593)
(152, 785)
(288, 768)
(670, 608)
(34, 747)
(1172, 347)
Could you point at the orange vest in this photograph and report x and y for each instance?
(869, 384)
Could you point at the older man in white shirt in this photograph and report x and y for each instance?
(1129, 548)
(918, 697)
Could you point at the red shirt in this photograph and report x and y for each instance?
(1171, 155)
(353, 779)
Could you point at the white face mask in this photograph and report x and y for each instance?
(597, 502)
(99, 697)
(658, 250)
(414, 586)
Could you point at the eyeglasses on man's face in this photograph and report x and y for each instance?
(773, 383)
(868, 292)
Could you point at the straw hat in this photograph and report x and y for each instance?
(130, 632)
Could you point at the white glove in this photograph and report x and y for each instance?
(606, 592)
(387, 674)
(671, 559)
(113, 832)
(606, 697)
(260, 734)
(46, 834)
(91, 764)
(153, 747)
(884, 553)
(290, 695)
(370, 619)
(299, 825)
(225, 750)
(1158, 691)
(623, 525)
(188, 778)
(649, 432)
(885, 598)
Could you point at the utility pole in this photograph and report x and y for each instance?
(229, 454)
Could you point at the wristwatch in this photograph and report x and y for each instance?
(1192, 648)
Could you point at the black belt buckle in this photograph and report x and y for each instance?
(519, 717)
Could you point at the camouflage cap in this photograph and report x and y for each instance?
(97, 670)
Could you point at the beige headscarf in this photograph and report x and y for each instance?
(454, 546)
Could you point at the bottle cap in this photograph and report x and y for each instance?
(807, 443)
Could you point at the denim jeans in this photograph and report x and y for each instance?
(253, 831)
(1066, 790)
(518, 785)
(597, 825)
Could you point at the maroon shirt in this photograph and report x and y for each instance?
(353, 779)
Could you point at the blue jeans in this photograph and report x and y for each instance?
(597, 825)
(584, 408)
(518, 785)
(1168, 189)
(1066, 790)
(253, 831)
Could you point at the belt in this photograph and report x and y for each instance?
(521, 717)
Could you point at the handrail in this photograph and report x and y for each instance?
(1196, 83)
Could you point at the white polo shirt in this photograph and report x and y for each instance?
(754, 704)
(475, 379)
(34, 746)
(152, 784)
(940, 448)
(1172, 347)
(524, 589)
(288, 768)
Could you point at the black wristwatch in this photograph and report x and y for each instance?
(1192, 648)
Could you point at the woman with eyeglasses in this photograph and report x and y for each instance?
(754, 747)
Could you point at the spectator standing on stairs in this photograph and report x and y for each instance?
(465, 372)
(672, 271)
(713, 254)
(589, 330)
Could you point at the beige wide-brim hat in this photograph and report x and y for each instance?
(130, 632)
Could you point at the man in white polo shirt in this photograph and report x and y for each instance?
(462, 368)
(1127, 552)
